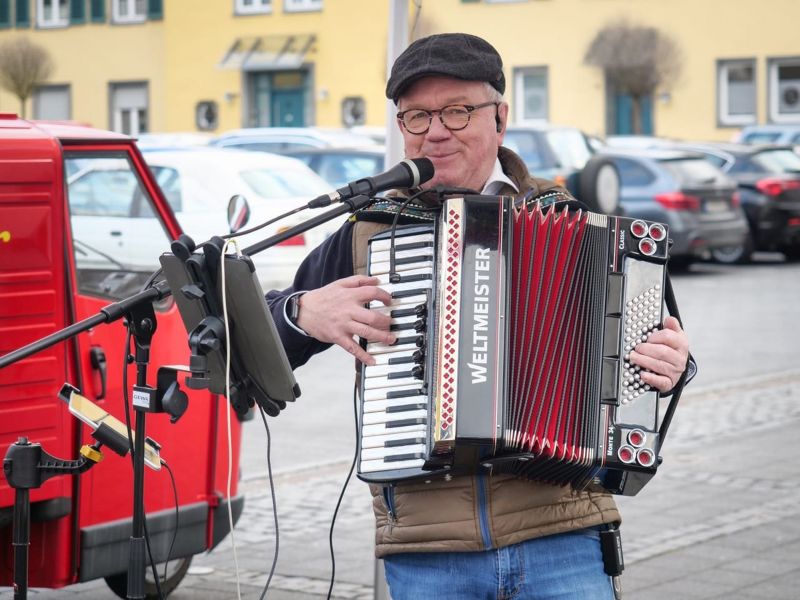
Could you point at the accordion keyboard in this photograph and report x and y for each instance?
(395, 400)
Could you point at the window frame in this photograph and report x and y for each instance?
(519, 95)
(53, 23)
(724, 118)
(116, 17)
(773, 96)
(259, 7)
(295, 6)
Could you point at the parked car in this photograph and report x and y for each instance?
(770, 134)
(340, 166)
(285, 139)
(768, 177)
(198, 184)
(566, 155)
(693, 198)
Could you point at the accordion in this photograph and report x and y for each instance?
(513, 327)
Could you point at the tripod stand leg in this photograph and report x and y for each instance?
(21, 541)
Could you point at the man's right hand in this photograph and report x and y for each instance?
(336, 314)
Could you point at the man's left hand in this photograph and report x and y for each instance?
(664, 355)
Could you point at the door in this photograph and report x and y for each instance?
(287, 108)
(625, 115)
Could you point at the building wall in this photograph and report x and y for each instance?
(180, 55)
(90, 57)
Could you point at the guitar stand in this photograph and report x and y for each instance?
(26, 467)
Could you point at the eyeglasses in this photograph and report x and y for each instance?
(454, 117)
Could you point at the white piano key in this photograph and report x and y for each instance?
(425, 284)
(379, 405)
(398, 302)
(387, 417)
(378, 429)
(383, 245)
(374, 383)
(380, 347)
(379, 441)
(372, 466)
(382, 370)
(380, 453)
(377, 269)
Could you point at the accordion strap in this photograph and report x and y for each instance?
(672, 307)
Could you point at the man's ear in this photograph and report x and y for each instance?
(501, 117)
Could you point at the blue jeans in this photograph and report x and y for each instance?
(567, 566)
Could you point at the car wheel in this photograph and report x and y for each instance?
(679, 264)
(176, 571)
(730, 255)
(792, 253)
(599, 186)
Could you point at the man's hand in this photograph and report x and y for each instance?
(665, 353)
(336, 314)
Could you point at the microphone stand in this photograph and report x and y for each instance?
(350, 205)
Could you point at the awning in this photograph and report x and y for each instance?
(269, 52)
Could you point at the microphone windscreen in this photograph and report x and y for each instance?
(425, 169)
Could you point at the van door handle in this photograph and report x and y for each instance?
(98, 360)
(116, 233)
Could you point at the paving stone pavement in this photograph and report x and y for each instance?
(719, 521)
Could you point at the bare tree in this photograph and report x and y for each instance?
(23, 66)
(637, 60)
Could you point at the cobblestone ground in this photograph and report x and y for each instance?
(719, 521)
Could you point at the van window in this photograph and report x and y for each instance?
(116, 236)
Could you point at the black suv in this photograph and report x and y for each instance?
(566, 155)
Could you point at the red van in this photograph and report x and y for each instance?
(62, 258)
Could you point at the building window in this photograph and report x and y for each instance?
(251, 7)
(784, 90)
(52, 13)
(530, 94)
(129, 110)
(129, 11)
(736, 92)
(52, 102)
(301, 5)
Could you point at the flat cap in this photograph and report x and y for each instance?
(458, 55)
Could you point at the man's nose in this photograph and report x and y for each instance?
(437, 128)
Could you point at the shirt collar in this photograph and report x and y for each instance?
(496, 180)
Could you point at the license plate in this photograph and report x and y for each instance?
(715, 206)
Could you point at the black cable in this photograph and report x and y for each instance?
(177, 515)
(344, 488)
(274, 503)
(393, 276)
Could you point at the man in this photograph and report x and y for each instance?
(471, 537)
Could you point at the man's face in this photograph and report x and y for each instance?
(463, 158)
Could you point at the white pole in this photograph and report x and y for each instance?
(397, 42)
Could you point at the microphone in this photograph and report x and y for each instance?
(407, 173)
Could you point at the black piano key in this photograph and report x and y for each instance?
(404, 312)
(400, 360)
(392, 394)
(409, 293)
(411, 339)
(403, 326)
(405, 407)
(412, 245)
(423, 258)
(399, 457)
(406, 422)
(414, 277)
(404, 442)
(400, 375)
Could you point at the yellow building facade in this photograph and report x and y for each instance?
(215, 65)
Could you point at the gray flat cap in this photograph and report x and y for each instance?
(459, 55)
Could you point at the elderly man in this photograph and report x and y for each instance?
(483, 536)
